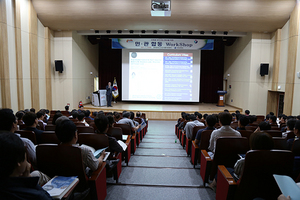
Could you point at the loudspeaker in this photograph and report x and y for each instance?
(264, 69)
(59, 66)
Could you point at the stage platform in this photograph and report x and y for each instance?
(163, 111)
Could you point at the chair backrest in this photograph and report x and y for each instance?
(245, 133)
(274, 133)
(280, 143)
(79, 124)
(85, 129)
(115, 132)
(50, 127)
(60, 160)
(257, 179)
(275, 128)
(227, 150)
(49, 137)
(65, 113)
(260, 118)
(40, 126)
(250, 128)
(28, 134)
(125, 128)
(139, 120)
(234, 125)
(22, 126)
(204, 141)
(95, 140)
(296, 147)
(195, 130)
(290, 135)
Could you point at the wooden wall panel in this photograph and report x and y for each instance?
(4, 62)
(48, 68)
(33, 46)
(291, 62)
(18, 43)
(276, 60)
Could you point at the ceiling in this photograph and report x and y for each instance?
(201, 15)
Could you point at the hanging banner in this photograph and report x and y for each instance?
(162, 43)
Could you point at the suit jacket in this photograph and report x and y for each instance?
(109, 90)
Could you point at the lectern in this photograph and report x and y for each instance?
(221, 97)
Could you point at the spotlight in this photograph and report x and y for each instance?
(155, 31)
(178, 32)
(202, 32)
(166, 32)
(131, 31)
(119, 31)
(225, 33)
(143, 31)
(96, 31)
(213, 32)
(190, 32)
(107, 31)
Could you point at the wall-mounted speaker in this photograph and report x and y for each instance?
(264, 69)
(59, 66)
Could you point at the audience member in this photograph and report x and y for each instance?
(210, 122)
(272, 121)
(204, 116)
(102, 123)
(242, 122)
(139, 115)
(8, 123)
(290, 127)
(184, 121)
(32, 110)
(31, 123)
(81, 119)
(247, 112)
(16, 182)
(81, 108)
(225, 119)
(126, 120)
(237, 112)
(262, 126)
(19, 116)
(40, 115)
(296, 132)
(132, 117)
(55, 117)
(47, 116)
(117, 117)
(188, 129)
(66, 132)
(87, 114)
(111, 121)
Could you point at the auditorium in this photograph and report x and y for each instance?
(240, 57)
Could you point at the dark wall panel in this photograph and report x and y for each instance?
(212, 67)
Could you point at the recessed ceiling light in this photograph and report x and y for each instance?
(92, 29)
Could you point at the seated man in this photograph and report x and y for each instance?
(247, 112)
(210, 122)
(263, 126)
(31, 121)
(87, 115)
(242, 122)
(102, 124)
(41, 115)
(19, 116)
(132, 117)
(81, 119)
(66, 132)
(8, 123)
(296, 132)
(139, 115)
(185, 118)
(272, 120)
(188, 129)
(290, 127)
(126, 120)
(15, 179)
(225, 131)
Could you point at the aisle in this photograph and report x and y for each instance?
(159, 169)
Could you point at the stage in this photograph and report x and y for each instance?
(170, 111)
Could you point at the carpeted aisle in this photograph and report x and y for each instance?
(159, 169)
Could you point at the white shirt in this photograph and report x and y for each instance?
(31, 153)
(224, 131)
(189, 127)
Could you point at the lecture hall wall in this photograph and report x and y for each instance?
(27, 70)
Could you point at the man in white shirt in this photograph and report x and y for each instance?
(126, 120)
(8, 123)
(188, 129)
(225, 131)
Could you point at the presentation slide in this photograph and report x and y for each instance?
(172, 76)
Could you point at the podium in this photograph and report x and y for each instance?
(99, 98)
(221, 97)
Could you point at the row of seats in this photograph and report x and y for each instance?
(258, 182)
(54, 159)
